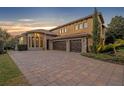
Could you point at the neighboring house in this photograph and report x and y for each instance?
(75, 36)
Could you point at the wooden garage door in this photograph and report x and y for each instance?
(59, 45)
(75, 45)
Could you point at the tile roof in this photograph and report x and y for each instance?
(39, 31)
(75, 35)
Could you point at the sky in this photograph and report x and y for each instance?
(17, 20)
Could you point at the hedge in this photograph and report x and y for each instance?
(22, 47)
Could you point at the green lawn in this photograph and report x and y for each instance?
(9, 72)
(118, 58)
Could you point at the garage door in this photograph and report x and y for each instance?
(75, 45)
(59, 45)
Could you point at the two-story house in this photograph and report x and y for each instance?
(75, 36)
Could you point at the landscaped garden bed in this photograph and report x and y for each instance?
(118, 58)
(9, 72)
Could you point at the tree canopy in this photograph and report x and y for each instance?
(115, 29)
(4, 36)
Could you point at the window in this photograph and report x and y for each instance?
(85, 25)
(33, 41)
(21, 40)
(60, 31)
(81, 26)
(65, 30)
(76, 27)
(37, 41)
(41, 42)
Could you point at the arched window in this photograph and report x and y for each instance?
(37, 41)
(32, 41)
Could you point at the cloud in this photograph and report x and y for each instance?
(6, 23)
(47, 27)
(25, 20)
(19, 27)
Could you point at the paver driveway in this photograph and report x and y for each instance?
(62, 68)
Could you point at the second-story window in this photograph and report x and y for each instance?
(60, 31)
(65, 30)
(81, 26)
(85, 25)
(76, 27)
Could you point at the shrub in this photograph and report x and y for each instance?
(105, 57)
(108, 48)
(22, 47)
(2, 51)
(119, 43)
(112, 47)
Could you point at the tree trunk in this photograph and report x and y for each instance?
(114, 50)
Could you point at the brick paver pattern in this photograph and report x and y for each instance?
(59, 68)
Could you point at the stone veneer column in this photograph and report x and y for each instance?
(84, 45)
(67, 45)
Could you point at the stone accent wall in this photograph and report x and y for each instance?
(84, 45)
